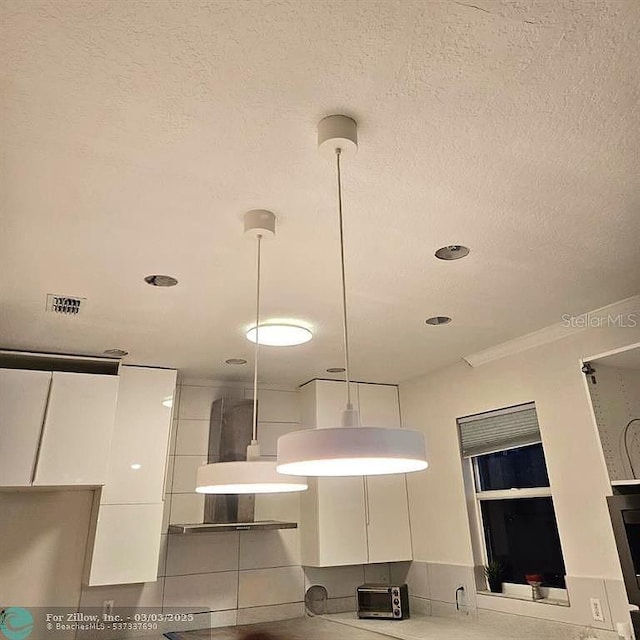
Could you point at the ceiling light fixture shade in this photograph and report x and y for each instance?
(255, 476)
(279, 335)
(349, 450)
(252, 475)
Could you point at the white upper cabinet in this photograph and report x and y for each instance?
(141, 436)
(323, 401)
(129, 527)
(352, 520)
(78, 426)
(23, 399)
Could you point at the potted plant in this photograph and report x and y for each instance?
(535, 580)
(493, 573)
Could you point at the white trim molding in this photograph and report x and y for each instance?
(624, 313)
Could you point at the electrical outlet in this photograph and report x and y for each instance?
(461, 600)
(596, 610)
(107, 609)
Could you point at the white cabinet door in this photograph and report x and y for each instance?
(342, 530)
(332, 524)
(140, 441)
(23, 398)
(127, 544)
(388, 531)
(78, 426)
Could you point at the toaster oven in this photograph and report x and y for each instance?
(383, 601)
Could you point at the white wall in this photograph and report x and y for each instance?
(43, 536)
(549, 375)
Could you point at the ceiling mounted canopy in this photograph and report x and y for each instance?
(349, 450)
(252, 475)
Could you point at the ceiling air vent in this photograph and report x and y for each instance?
(64, 305)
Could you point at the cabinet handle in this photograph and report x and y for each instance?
(36, 458)
(366, 501)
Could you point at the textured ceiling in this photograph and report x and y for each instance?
(136, 133)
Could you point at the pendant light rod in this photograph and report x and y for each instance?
(254, 433)
(345, 324)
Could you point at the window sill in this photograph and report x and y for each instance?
(556, 602)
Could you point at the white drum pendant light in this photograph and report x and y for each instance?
(350, 450)
(253, 475)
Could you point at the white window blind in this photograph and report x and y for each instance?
(498, 430)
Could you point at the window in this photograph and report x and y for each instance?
(514, 505)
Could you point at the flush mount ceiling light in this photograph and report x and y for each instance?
(158, 280)
(452, 252)
(349, 450)
(277, 334)
(438, 320)
(252, 475)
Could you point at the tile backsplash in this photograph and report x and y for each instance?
(255, 574)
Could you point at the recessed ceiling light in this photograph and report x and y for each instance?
(280, 335)
(452, 252)
(236, 361)
(116, 353)
(438, 320)
(158, 280)
(335, 370)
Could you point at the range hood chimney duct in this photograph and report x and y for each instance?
(230, 430)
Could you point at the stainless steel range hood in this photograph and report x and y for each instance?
(262, 525)
(230, 427)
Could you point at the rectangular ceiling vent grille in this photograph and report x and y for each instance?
(64, 305)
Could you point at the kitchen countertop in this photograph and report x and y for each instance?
(346, 626)
(297, 629)
(421, 627)
(489, 626)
